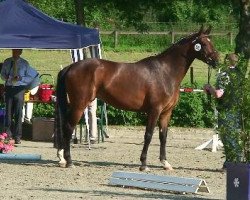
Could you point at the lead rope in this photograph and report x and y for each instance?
(209, 73)
(215, 123)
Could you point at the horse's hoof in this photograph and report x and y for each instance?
(63, 165)
(144, 168)
(71, 165)
(166, 165)
(170, 168)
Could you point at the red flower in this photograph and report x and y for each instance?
(6, 144)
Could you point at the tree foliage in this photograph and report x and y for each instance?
(120, 14)
(235, 138)
(243, 37)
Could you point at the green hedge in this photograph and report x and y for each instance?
(192, 110)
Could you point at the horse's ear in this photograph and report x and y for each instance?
(208, 30)
(201, 29)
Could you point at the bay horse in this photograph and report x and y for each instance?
(150, 85)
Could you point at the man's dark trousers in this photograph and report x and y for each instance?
(14, 99)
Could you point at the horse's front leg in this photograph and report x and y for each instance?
(60, 155)
(163, 130)
(152, 120)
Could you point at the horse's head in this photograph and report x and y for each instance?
(203, 48)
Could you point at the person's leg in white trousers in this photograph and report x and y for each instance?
(28, 106)
(92, 120)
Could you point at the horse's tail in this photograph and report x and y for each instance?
(61, 109)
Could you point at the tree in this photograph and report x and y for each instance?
(80, 19)
(60, 9)
(240, 141)
(243, 37)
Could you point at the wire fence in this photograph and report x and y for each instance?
(173, 34)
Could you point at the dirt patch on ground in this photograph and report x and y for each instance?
(89, 179)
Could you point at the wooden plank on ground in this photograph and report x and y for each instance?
(12, 156)
(156, 182)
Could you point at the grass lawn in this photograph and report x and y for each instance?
(50, 62)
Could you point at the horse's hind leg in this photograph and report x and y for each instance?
(152, 120)
(73, 118)
(67, 138)
(163, 129)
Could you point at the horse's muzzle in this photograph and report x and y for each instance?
(213, 63)
(213, 60)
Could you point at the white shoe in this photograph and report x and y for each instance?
(28, 121)
(92, 140)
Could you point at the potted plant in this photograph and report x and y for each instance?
(236, 141)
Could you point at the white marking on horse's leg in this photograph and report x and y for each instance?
(60, 155)
(166, 165)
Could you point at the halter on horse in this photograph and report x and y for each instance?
(150, 85)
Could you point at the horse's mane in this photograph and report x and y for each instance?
(186, 39)
(181, 41)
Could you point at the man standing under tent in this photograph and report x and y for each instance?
(16, 74)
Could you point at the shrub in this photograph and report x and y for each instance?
(236, 140)
(121, 117)
(193, 110)
(43, 110)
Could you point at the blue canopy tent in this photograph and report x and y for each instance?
(23, 26)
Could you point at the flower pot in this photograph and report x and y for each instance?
(238, 181)
(39, 133)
